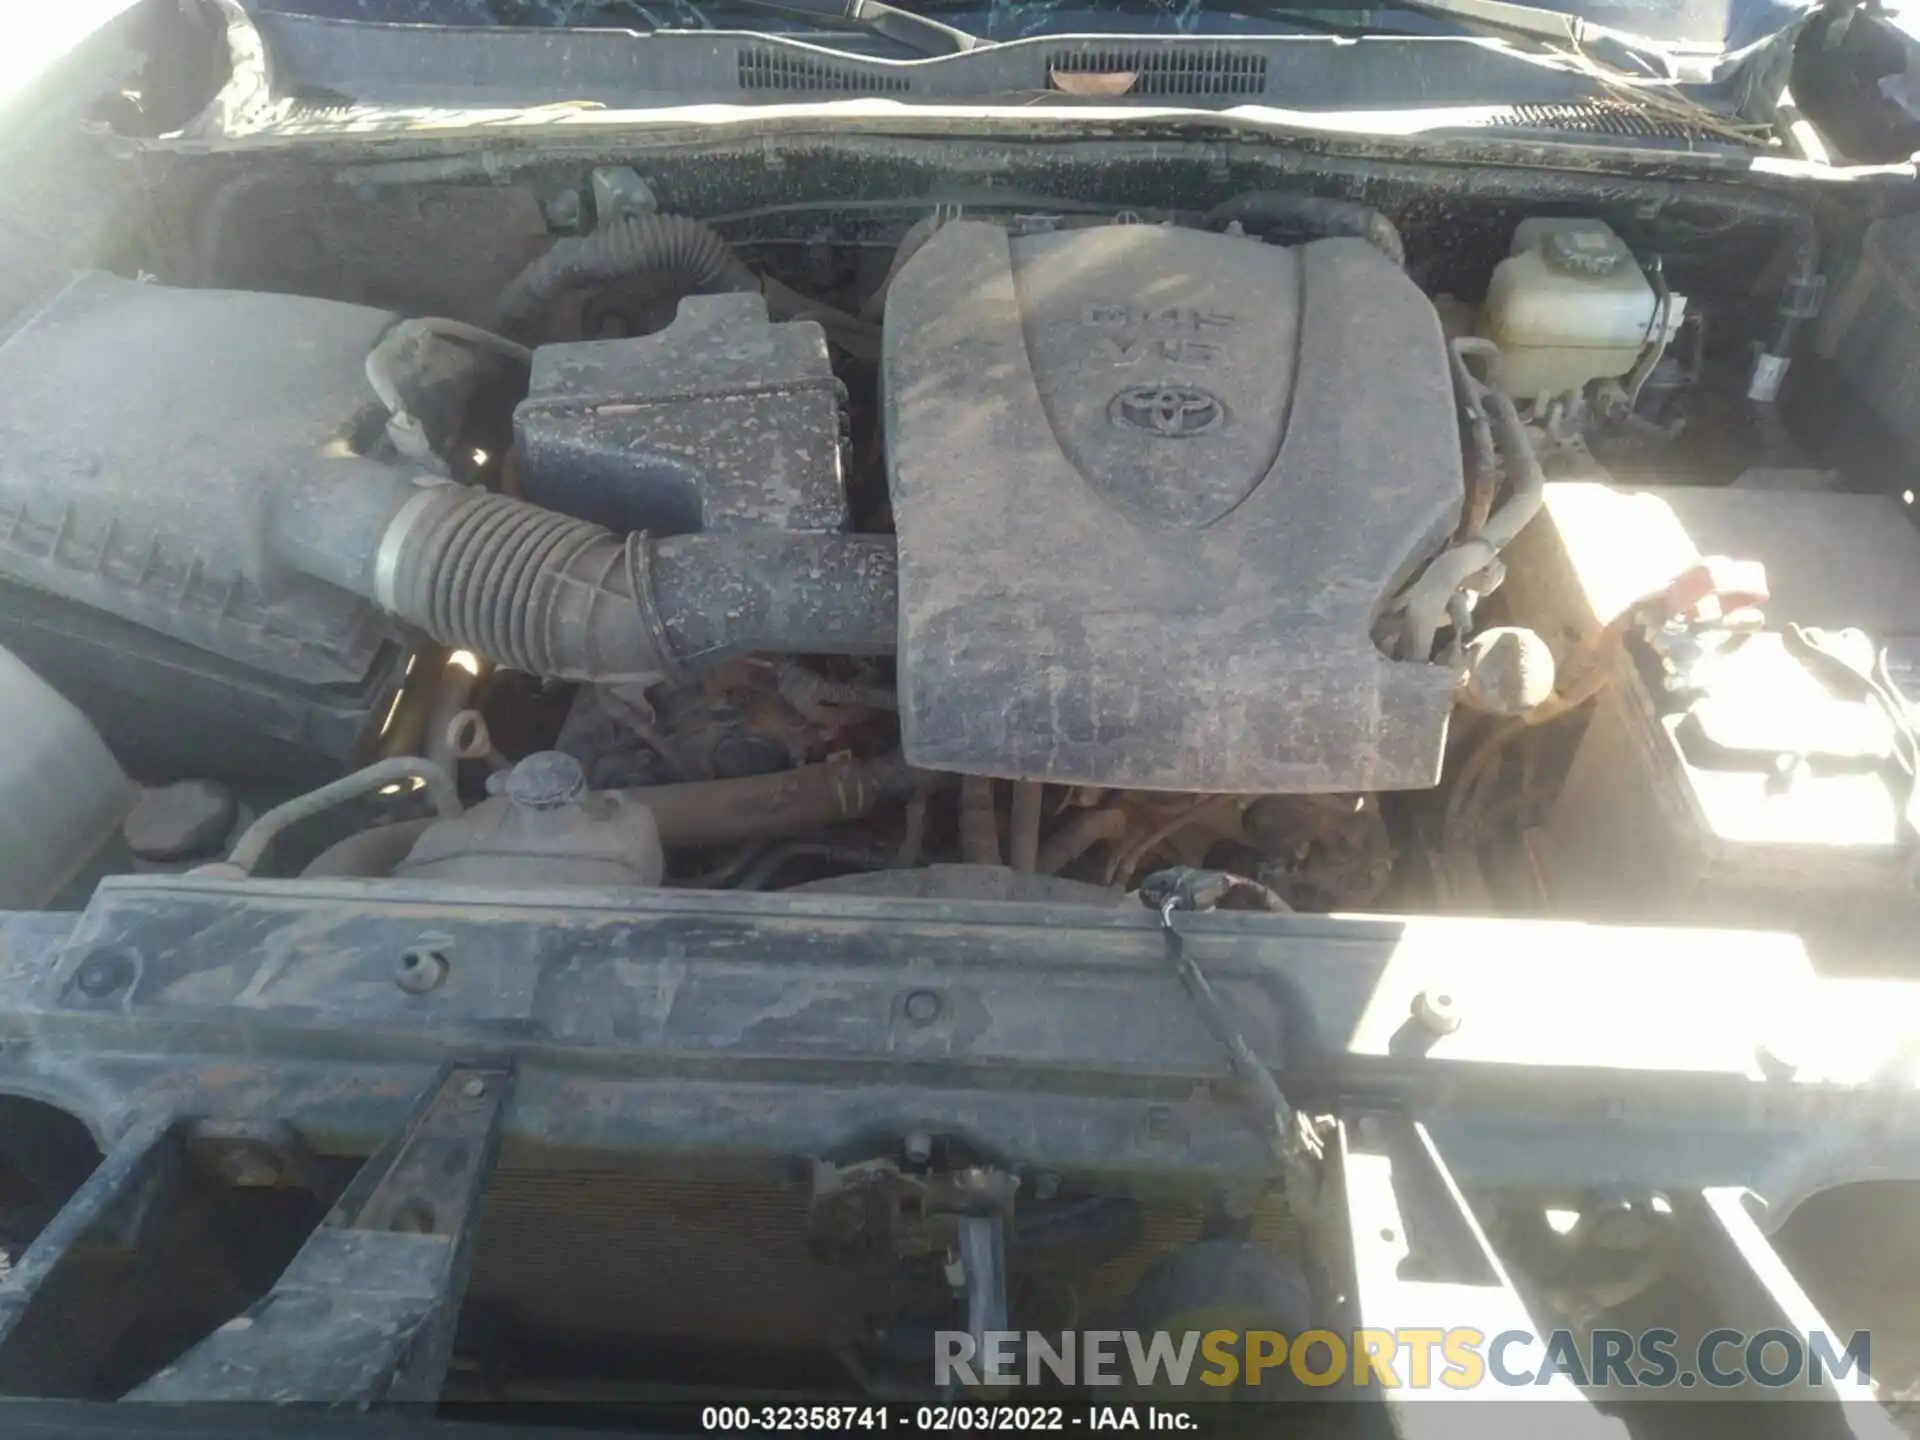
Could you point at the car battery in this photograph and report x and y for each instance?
(1730, 778)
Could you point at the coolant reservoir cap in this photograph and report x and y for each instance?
(1581, 250)
(546, 780)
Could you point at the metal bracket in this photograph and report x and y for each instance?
(873, 1207)
(1421, 1262)
(619, 190)
(58, 1316)
(252, 1154)
(366, 1311)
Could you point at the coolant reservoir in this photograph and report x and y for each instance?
(544, 828)
(1568, 306)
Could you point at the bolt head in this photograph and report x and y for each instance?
(474, 1089)
(919, 1147)
(101, 975)
(1438, 1011)
(252, 1172)
(1777, 1060)
(419, 969)
(922, 1006)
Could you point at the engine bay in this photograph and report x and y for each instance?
(967, 546)
(1008, 550)
(1005, 546)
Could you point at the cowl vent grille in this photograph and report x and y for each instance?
(1172, 72)
(1601, 117)
(779, 70)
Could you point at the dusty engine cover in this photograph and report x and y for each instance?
(1152, 487)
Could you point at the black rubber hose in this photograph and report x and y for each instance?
(1264, 210)
(678, 252)
(774, 591)
(566, 600)
(1424, 602)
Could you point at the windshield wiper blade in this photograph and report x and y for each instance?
(1536, 21)
(920, 33)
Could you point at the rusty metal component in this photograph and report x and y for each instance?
(873, 1207)
(1322, 852)
(1023, 826)
(253, 1154)
(1509, 670)
(979, 822)
(723, 812)
(1078, 835)
(818, 697)
(1191, 812)
(744, 717)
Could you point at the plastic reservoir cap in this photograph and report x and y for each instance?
(547, 780)
(1580, 250)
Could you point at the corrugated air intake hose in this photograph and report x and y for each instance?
(562, 598)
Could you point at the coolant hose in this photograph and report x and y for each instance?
(1425, 602)
(566, 600)
(1260, 210)
(677, 251)
(252, 845)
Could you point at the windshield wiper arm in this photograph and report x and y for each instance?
(920, 33)
(1497, 17)
(1536, 21)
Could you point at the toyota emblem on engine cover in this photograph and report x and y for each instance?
(1173, 412)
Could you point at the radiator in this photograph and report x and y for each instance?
(626, 1257)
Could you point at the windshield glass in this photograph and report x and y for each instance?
(1698, 25)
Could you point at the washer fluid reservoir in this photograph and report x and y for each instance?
(1568, 306)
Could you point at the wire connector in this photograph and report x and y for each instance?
(1294, 1138)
